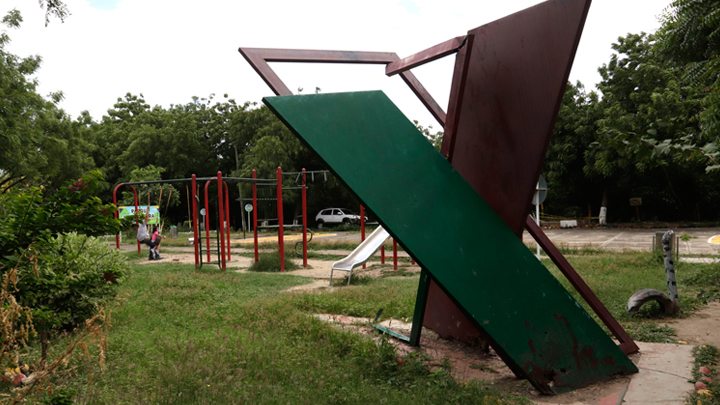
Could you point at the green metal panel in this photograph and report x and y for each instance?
(420, 302)
(432, 211)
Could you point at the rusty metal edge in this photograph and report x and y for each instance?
(456, 91)
(428, 101)
(254, 57)
(258, 58)
(428, 55)
(627, 344)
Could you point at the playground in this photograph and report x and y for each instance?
(343, 308)
(545, 320)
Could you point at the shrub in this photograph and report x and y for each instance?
(69, 279)
(34, 215)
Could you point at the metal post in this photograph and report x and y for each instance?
(537, 220)
(254, 187)
(117, 236)
(382, 253)
(281, 244)
(395, 266)
(207, 222)
(304, 208)
(221, 219)
(227, 218)
(420, 305)
(362, 227)
(196, 236)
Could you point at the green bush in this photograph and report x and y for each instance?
(35, 215)
(70, 277)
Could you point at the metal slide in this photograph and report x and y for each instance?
(362, 253)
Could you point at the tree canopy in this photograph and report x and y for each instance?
(649, 130)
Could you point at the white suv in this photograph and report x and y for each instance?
(336, 216)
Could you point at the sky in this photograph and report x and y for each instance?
(172, 50)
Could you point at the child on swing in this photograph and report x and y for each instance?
(155, 240)
(144, 237)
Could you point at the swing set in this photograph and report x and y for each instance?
(222, 236)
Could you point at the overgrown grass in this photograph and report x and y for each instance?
(615, 277)
(650, 332)
(211, 337)
(395, 296)
(187, 336)
(270, 263)
(707, 280)
(357, 279)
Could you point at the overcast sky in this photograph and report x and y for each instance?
(171, 50)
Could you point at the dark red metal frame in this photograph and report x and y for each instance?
(281, 236)
(259, 58)
(304, 208)
(224, 248)
(223, 207)
(223, 214)
(117, 236)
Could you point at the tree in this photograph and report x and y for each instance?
(563, 168)
(54, 8)
(690, 36)
(158, 194)
(39, 143)
(434, 138)
(645, 110)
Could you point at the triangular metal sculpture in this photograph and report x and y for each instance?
(508, 83)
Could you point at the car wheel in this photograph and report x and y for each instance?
(346, 221)
(320, 224)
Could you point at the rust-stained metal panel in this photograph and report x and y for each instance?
(627, 345)
(517, 69)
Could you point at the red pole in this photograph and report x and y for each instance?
(304, 208)
(362, 226)
(281, 245)
(136, 208)
(255, 216)
(394, 254)
(207, 221)
(221, 226)
(117, 235)
(196, 240)
(227, 218)
(382, 253)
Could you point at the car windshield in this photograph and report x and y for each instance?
(347, 211)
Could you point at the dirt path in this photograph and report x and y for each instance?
(700, 328)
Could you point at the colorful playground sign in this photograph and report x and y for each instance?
(153, 217)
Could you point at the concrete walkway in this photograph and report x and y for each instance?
(663, 379)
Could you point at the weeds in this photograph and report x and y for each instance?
(358, 279)
(650, 332)
(270, 263)
(706, 356)
(221, 338)
(17, 330)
